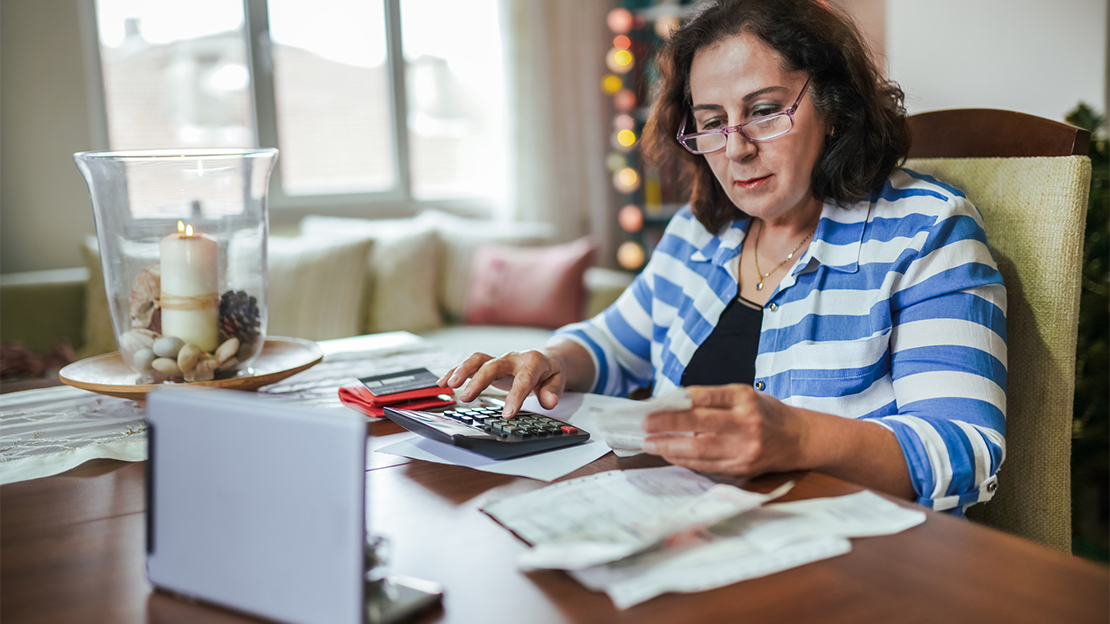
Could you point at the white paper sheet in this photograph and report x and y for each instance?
(763, 541)
(593, 520)
(712, 564)
(543, 466)
(863, 514)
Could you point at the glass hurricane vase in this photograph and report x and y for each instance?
(182, 239)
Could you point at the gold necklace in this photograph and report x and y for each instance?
(762, 275)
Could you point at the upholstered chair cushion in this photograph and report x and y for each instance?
(1034, 211)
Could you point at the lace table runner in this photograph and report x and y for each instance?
(50, 430)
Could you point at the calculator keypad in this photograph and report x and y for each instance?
(483, 430)
(525, 425)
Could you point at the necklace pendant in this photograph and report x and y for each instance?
(759, 286)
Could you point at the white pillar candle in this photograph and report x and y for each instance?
(190, 296)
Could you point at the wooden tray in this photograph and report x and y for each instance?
(108, 374)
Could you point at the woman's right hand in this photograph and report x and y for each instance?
(519, 372)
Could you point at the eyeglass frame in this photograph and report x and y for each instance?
(682, 138)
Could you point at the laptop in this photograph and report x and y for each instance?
(259, 506)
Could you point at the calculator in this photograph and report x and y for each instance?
(483, 430)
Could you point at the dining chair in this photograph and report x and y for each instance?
(1030, 178)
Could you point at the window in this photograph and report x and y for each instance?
(369, 101)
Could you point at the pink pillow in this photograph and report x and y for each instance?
(533, 286)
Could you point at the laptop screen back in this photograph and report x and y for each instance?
(256, 505)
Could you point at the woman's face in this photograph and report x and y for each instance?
(735, 81)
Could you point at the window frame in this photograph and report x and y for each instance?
(398, 201)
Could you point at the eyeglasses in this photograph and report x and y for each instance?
(762, 129)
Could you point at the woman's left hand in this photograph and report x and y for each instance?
(736, 431)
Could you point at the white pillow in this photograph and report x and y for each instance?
(400, 275)
(461, 238)
(317, 286)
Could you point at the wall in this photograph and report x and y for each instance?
(44, 206)
(1031, 56)
(870, 15)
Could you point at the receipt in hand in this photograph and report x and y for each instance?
(623, 427)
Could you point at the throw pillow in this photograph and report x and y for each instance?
(400, 274)
(317, 286)
(316, 290)
(461, 238)
(537, 287)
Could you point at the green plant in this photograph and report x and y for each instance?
(1091, 427)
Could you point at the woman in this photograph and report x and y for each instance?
(827, 310)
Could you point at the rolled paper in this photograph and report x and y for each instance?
(190, 298)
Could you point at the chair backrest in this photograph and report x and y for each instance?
(1030, 178)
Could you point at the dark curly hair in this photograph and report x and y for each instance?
(871, 134)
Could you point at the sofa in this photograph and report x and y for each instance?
(468, 284)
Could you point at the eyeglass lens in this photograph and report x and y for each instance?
(759, 130)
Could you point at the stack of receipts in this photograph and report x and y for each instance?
(636, 534)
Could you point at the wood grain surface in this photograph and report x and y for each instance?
(72, 550)
(989, 133)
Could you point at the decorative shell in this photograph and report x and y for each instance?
(205, 370)
(136, 339)
(187, 358)
(146, 293)
(227, 349)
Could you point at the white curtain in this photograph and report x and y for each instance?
(560, 121)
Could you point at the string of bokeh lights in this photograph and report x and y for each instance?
(621, 59)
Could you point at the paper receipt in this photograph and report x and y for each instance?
(623, 427)
(589, 521)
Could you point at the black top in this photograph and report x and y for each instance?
(728, 354)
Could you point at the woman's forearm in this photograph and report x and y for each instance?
(859, 451)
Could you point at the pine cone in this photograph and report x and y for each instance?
(240, 318)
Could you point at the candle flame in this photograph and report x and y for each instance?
(180, 227)
(188, 230)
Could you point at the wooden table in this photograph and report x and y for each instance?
(72, 550)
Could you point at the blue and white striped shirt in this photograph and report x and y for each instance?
(896, 313)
